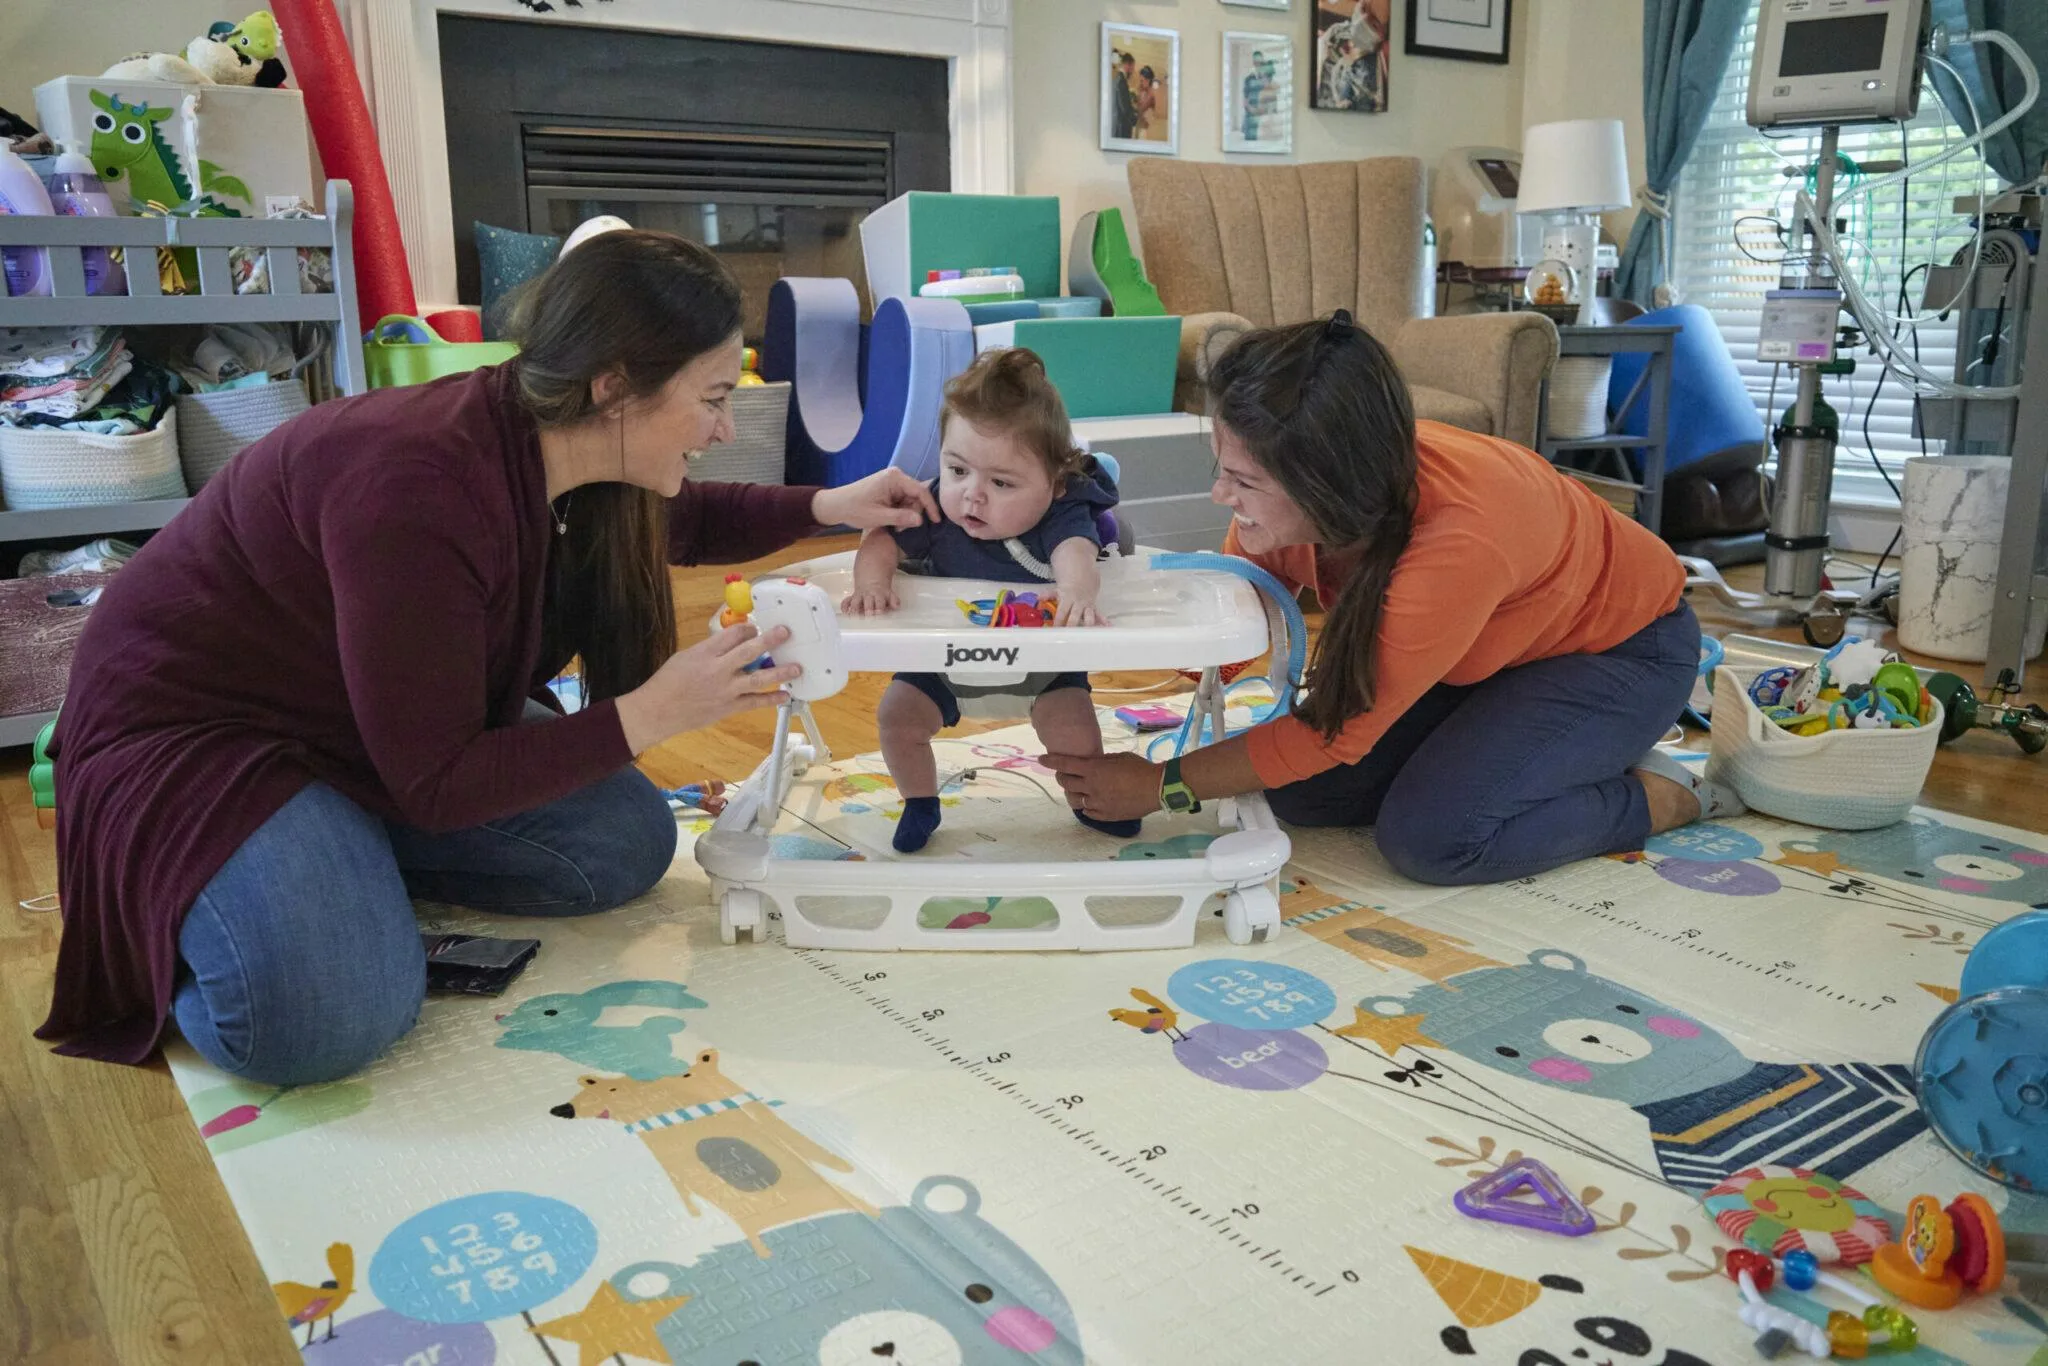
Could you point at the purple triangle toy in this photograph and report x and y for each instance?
(1556, 1210)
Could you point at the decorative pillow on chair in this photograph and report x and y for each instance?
(507, 259)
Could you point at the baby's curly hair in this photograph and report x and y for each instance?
(1008, 391)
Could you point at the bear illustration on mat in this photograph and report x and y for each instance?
(721, 1145)
(914, 1283)
(1711, 1110)
(1919, 852)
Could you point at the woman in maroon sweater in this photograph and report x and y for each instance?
(321, 690)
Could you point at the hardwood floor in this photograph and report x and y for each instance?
(117, 1242)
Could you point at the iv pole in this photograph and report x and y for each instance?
(1796, 542)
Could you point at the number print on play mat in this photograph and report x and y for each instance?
(483, 1257)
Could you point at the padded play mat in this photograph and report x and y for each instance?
(657, 1148)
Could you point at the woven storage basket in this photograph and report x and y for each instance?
(214, 427)
(49, 467)
(760, 421)
(37, 640)
(1842, 780)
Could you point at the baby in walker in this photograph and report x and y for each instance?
(1019, 503)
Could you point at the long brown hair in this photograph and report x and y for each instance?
(641, 305)
(1323, 408)
(1007, 390)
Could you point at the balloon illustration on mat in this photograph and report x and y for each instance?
(1252, 1014)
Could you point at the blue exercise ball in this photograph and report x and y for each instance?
(1710, 412)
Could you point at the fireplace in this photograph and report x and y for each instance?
(768, 153)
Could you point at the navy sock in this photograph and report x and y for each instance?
(1123, 830)
(920, 817)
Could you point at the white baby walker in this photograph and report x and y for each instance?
(1187, 611)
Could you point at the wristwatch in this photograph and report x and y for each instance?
(1175, 795)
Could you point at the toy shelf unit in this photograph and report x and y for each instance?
(211, 242)
(1194, 611)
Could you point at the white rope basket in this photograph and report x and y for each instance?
(1840, 780)
(213, 428)
(50, 467)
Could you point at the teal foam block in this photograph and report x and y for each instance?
(1106, 367)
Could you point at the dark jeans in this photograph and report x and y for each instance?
(1519, 774)
(301, 961)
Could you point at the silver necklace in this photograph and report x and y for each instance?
(562, 517)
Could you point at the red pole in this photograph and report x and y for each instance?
(320, 63)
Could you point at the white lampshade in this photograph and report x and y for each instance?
(1579, 164)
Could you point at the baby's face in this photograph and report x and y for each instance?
(991, 484)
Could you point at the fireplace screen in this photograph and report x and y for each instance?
(768, 205)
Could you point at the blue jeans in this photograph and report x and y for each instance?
(301, 961)
(1518, 774)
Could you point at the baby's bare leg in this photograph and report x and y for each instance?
(908, 720)
(1065, 721)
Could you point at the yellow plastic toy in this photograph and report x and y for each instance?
(739, 601)
(750, 365)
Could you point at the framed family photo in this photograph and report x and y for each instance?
(1467, 30)
(1260, 4)
(1350, 41)
(1258, 92)
(1140, 89)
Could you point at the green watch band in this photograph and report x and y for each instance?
(1175, 795)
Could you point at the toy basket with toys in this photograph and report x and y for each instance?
(1841, 775)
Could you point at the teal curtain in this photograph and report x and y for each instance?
(1686, 45)
(2016, 153)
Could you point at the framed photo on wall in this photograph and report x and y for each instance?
(1258, 92)
(1260, 4)
(1466, 30)
(1350, 42)
(1140, 89)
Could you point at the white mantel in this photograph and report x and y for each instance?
(397, 48)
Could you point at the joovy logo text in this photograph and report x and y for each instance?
(980, 654)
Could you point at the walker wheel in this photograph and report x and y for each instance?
(740, 909)
(1250, 916)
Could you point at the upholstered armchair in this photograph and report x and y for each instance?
(1259, 245)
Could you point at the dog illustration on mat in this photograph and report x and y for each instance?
(1712, 1111)
(722, 1145)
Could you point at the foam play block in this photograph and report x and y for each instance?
(925, 230)
(837, 432)
(1103, 367)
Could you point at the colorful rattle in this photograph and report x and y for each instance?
(739, 601)
(1010, 609)
(1945, 1252)
(1846, 1335)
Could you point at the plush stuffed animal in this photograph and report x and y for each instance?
(226, 54)
(239, 54)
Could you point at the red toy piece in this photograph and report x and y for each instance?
(1763, 1273)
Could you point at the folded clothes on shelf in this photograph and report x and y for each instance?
(97, 557)
(60, 376)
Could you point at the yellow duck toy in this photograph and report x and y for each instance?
(739, 601)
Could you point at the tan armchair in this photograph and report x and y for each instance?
(1279, 244)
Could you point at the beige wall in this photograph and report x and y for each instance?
(1585, 61)
(1434, 105)
(44, 38)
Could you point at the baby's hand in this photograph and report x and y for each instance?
(868, 601)
(1078, 612)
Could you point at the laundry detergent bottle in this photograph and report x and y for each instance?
(77, 192)
(22, 192)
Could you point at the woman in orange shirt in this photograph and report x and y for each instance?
(1500, 652)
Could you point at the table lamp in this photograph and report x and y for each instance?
(1571, 172)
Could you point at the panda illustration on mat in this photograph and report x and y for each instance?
(1711, 1110)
